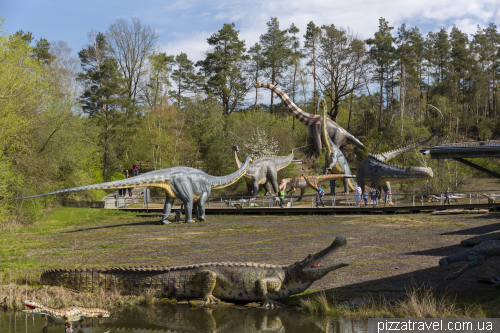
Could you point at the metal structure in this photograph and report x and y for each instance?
(460, 151)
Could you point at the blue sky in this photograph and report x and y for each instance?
(183, 26)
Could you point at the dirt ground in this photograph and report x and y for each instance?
(387, 252)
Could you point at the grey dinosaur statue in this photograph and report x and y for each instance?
(375, 171)
(212, 281)
(262, 171)
(338, 135)
(335, 160)
(191, 186)
(475, 256)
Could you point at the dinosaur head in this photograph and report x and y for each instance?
(235, 148)
(471, 256)
(310, 269)
(33, 307)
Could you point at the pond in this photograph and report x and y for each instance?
(181, 318)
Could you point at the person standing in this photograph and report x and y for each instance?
(376, 197)
(320, 197)
(281, 195)
(447, 196)
(386, 198)
(357, 198)
(365, 198)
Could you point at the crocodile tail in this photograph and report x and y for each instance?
(387, 156)
(224, 181)
(304, 117)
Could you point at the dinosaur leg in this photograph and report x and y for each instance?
(267, 188)
(208, 280)
(255, 186)
(184, 191)
(264, 286)
(332, 186)
(250, 189)
(310, 143)
(302, 190)
(274, 181)
(201, 206)
(166, 210)
(316, 135)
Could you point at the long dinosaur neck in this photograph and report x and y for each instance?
(224, 181)
(283, 162)
(236, 160)
(324, 134)
(302, 116)
(387, 156)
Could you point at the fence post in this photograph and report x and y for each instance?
(413, 200)
(396, 197)
(291, 201)
(422, 199)
(220, 202)
(470, 198)
(334, 201)
(312, 200)
(477, 198)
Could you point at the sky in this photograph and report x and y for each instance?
(184, 26)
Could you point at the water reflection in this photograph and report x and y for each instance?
(184, 319)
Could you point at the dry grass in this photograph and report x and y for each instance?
(12, 297)
(417, 303)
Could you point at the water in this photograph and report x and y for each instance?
(182, 318)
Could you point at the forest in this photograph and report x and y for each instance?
(74, 120)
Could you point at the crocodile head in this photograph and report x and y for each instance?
(33, 307)
(310, 269)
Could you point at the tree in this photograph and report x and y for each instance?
(105, 97)
(160, 66)
(131, 45)
(255, 67)
(277, 51)
(312, 36)
(223, 68)
(27, 37)
(42, 51)
(382, 53)
(339, 57)
(185, 79)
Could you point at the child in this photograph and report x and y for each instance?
(386, 198)
(365, 198)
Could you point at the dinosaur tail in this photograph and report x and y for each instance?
(122, 183)
(283, 162)
(224, 181)
(387, 156)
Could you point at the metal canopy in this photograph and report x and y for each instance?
(459, 151)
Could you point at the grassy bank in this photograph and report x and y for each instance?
(417, 303)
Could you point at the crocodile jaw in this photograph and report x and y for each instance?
(311, 269)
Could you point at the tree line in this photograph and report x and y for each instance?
(72, 120)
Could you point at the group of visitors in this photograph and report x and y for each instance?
(373, 194)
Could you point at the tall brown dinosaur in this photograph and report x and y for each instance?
(338, 135)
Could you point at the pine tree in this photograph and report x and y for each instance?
(222, 68)
(311, 42)
(276, 48)
(382, 53)
(185, 79)
(255, 67)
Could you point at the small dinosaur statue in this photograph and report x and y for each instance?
(191, 186)
(308, 181)
(339, 135)
(375, 170)
(334, 159)
(475, 256)
(262, 171)
(211, 281)
(65, 315)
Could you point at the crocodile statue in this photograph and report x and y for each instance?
(339, 135)
(475, 256)
(65, 315)
(212, 281)
(191, 186)
(375, 171)
(312, 181)
(262, 171)
(335, 160)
